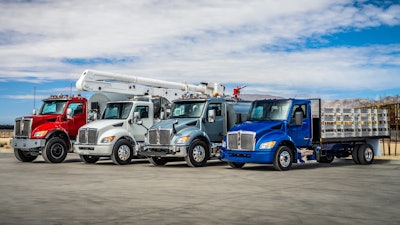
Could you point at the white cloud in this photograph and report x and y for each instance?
(223, 41)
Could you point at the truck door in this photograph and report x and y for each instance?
(146, 116)
(214, 129)
(301, 135)
(78, 118)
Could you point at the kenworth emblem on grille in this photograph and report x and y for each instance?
(238, 140)
(87, 135)
(158, 135)
(22, 124)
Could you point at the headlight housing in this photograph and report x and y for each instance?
(107, 139)
(182, 140)
(40, 133)
(267, 145)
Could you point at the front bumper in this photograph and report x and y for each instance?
(95, 150)
(164, 151)
(27, 144)
(262, 157)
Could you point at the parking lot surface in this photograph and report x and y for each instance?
(140, 193)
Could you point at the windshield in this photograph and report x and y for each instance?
(187, 109)
(119, 110)
(52, 107)
(269, 110)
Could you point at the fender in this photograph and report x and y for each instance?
(281, 138)
(278, 136)
(193, 132)
(50, 128)
(119, 133)
(59, 132)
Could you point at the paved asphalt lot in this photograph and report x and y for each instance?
(139, 193)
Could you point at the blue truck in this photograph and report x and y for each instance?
(284, 131)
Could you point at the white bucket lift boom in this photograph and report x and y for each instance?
(98, 81)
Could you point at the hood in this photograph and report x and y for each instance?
(38, 120)
(182, 123)
(99, 124)
(260, 127)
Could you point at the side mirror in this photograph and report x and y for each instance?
(298, 118)
(136, 117)
(69, 113)
(34, 112)
(211, 116)
(162, 115)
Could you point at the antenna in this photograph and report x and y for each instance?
(34, 97)
(70, 90)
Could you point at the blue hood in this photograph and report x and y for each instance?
(260, 127)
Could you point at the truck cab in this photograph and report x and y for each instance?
(50, 131)
(117, 133)
(194, 130)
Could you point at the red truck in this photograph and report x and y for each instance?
(51, 131)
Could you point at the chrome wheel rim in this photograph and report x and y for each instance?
(284, 159)
(124, 152)
(368, 154)
(199, 153)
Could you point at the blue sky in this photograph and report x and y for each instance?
(331, 49)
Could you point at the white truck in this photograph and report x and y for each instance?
(124, 124)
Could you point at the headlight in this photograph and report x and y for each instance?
(223, 144)
(107, 139)
(40, 133)
(182, 140)
(267, 145)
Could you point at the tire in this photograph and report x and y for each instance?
(198, 154)
(158, 161)
(89, 158)
(354, 154)
(366, 154)
(24, 156)
(55, 150)
(283, 158)
(122, 153)
(326, 159)
(236, 165)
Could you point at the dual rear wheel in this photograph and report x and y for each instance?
(363, 154)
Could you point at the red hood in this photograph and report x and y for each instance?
(45, 122)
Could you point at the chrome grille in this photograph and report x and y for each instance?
(87, 136)
(241, 140)
(160, 136)
(23, 127)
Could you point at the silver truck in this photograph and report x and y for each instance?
(194, 130)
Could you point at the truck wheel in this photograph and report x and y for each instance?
(158, 161)
(198, 154)
(283, 158)
(326, 159)
(89, 158)
(365, 154)
(236, 165)
(24, 156)
(55, 150)
(354, 154)
(122, 152)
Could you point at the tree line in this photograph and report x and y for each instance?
(6, 127)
